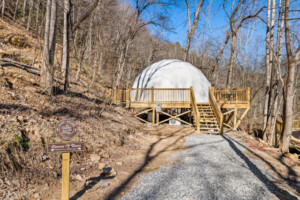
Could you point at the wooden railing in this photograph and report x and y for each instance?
(296, 125)
(195, 110)
(151, 95)
(120, 95)
(232, 96)
(216, 108)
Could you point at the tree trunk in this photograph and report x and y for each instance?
(24, 10)
(52, 39)
(16, 10)
(46, 81)
(291, 70)
(90, 32)
(29, 15)
(96, 60)
(192, 30)
(232, 60)
(268, 74)
(276, 92)
(37, 15)
(100, 63)
(82, 52)
(271, 61)
(121, 63)
(220, 54)
(128, 76)
(66, 43)
(3, 8)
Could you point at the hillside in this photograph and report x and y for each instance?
(28, 117)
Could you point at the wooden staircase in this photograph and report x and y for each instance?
(208, 120)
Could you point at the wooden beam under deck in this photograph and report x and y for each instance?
(145, 99)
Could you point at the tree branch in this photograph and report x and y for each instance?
(250, 16)
(86, 15)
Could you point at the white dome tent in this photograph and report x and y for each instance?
(176, 91)
(172, 73)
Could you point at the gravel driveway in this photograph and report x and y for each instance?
(214, 167)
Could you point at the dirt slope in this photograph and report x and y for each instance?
(28, 118)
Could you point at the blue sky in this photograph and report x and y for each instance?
(212, 23)
(211, 27)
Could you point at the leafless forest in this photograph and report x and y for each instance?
(115, 40)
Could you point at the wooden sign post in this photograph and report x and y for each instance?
(65, 180)
(65, 130)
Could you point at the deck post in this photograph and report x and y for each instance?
(198, 124)
(128, 97)
(221, 124)
(153, 116)
(191, 95)
(242, 117)
(152, 95)
(115, 95)
(249, 96)
(234, 118)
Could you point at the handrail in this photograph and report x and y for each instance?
(195, 112)
(216, 108)
(295, 127)
(232, 96)
(152, 95)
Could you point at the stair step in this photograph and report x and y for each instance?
(208, 121)
(209, 129)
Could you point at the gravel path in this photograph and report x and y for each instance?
(214, 167)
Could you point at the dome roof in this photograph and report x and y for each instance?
(173, 73)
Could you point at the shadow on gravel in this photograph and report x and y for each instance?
(147, 161)
(93, 182)
(278, 192)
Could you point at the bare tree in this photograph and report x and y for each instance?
(216, 64)
(85, 15)
(291, 71)
(276, 85)
(236, 19)
(268, 60)
(133, 24)
(46, 81)
(24, 9)
(191, 29)
(3, 8)
(16, 10)
(53, 27)
(37, 15)
(29, 14)
(66, 43)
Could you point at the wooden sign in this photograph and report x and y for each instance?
(65, 147)
(66, 130)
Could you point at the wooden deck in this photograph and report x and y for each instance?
(180, 104)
